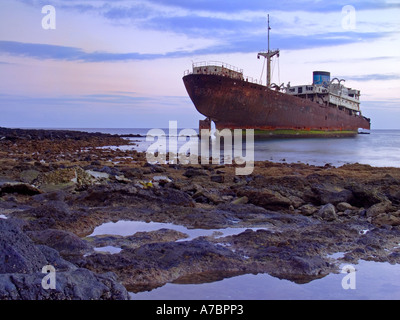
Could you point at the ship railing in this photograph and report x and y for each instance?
(217, 64)
(237, 71)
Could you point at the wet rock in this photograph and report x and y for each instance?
(55, 215)
(133, 173)
(161, 179)
(265, 198)
(18, 254)
(327, 212)
(365, 196)
(21, 262)
(153, 168)
(391, 219)
(66, 243)
(53, 258)
(332, 194)
(173, 197)
(64, 178)
(122, 179)
(98, 175)
(194, 172)
(136, 240)
(241, 200)
(379, 208)
(343, 206)
(20, 188)
(308, 209)
(79, 284)
(154, 264)
(217, 178)
(393, 194)
(28, 176)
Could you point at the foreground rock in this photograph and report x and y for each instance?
(56, 188)
(21, 264)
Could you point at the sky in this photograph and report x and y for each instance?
(120, 63)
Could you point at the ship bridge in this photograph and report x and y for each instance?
(326, 92)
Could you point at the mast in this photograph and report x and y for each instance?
(268, 55)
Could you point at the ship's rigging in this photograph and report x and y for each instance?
(268, 57)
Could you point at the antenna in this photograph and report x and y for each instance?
(268, 55)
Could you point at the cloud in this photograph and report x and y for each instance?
(117, 98)
(374, 77)
(243, 43)
(284, 5)
(56, 52)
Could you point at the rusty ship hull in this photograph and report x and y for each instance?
(239, 104)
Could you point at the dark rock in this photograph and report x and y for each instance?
(308, 209)
(21, 263)
(365, 196)
(327, 212)
(152, 265)
(20, 188)
(66, 243)
(172, 196)
(18, 254)
(154, 168)
(53, 258)
(379, 208)
(386, 219)
(218, 178)
(194, 172)
(136, 240)
(79, 284)
(265, 198)
(343, 206)
(50, 215)
(332, 194)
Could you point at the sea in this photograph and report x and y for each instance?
(380, 148)
(373, 280)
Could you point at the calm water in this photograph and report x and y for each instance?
(373, 280)
(380, 148)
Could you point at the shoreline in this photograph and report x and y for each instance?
(56, 189)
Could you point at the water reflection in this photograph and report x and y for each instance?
(373, 281)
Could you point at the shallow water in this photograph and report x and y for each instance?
(126, 228)
(372, 281)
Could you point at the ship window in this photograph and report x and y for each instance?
(300, 90)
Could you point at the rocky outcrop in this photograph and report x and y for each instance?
(56, 188)
(21, 266)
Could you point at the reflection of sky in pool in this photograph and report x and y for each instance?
(373, 280)
(126, 228)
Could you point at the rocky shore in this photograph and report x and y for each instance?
(56, 187)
